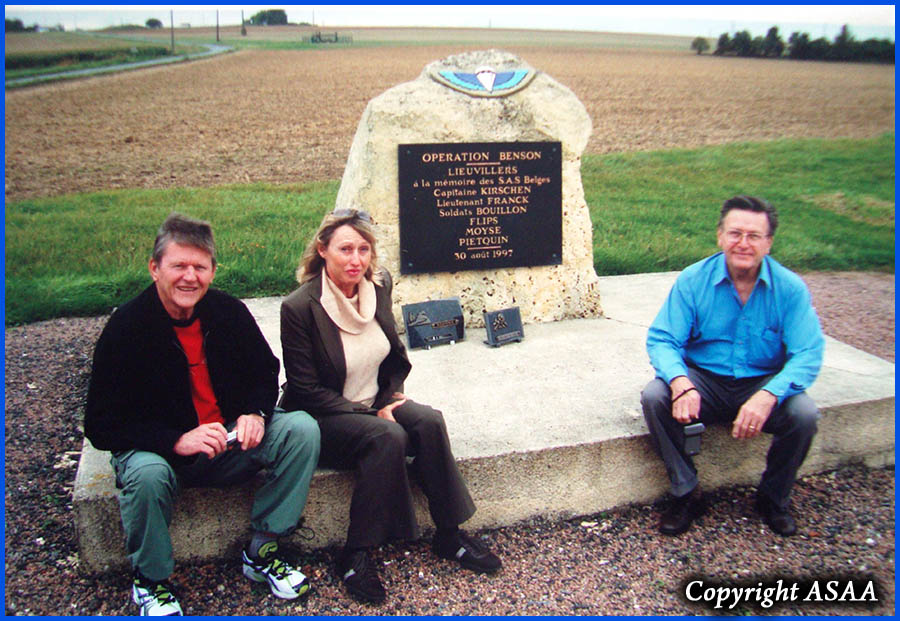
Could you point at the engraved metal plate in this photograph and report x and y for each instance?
(436, 322)
(503, 326)
(479, 206)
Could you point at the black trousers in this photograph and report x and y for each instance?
(376, 449)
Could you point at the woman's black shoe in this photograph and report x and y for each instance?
(468, 551)
(360, 577)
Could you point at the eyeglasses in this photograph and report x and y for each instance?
(352, 213)
(735, 237)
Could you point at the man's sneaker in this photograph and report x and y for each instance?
(156, 599)
(360, 577)
(468, 551)
(285, 580)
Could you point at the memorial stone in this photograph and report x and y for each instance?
(515, 136)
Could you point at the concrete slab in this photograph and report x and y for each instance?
(549, 426)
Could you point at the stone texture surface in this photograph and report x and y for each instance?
(424, 111)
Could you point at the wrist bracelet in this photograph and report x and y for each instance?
(683, 393)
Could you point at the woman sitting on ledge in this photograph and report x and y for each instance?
(345, 365)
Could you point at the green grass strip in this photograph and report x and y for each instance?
(656, 211)
(84, 254)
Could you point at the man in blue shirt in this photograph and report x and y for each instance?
(736, 341)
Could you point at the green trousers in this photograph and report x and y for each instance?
(149, 485)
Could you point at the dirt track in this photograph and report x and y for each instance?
(289, 116)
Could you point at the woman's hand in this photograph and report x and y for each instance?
(387, 412)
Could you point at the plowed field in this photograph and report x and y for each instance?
(290, 116)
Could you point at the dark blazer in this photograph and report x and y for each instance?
(140, 394)
(314, 355)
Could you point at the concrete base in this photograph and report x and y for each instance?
(550, 426)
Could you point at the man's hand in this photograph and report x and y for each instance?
(686, 407)
(250, 430)
(387, 412)
(210, 439)
(753, 415)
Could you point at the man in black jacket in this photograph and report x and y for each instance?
(177, 372)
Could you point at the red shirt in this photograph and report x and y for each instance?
(191, 338)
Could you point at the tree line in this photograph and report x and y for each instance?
(800, 47)
(16, 25)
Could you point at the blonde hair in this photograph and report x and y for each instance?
(311, 263)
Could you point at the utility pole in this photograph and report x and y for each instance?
(172, 25)
(243, 27)
(217, 25)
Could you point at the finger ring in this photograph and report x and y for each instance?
(752, 428)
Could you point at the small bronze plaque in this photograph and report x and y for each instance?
(503, 326)
(475, 206)
(436, 322)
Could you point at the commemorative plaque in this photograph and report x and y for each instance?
(436, 322)
(473, 206)
(503, 326)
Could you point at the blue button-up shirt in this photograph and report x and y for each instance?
(704, 323)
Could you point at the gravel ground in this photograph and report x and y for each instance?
(610, 563)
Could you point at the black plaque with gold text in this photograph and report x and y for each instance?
(472, 206)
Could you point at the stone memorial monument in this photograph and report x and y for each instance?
(472, 173)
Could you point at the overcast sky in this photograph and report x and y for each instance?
(865, 21)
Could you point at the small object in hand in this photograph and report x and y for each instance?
(692, 437)
(232, 437)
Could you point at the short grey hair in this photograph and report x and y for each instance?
(186, 231)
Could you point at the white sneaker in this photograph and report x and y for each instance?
(156, 599)
(285, 580)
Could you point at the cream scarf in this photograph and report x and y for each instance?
(365, 345)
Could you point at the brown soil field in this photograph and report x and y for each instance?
(405, 36)
(289, 116)
(23, 42)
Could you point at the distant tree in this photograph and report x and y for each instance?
(798, 46)
(15, 25)
(154, 23)
(758, 47)
(773, 45)
(270, 17)
(700, 44)
(724, 45)
(877, 50)
(843, 45)
(743, 43)
(819, 49)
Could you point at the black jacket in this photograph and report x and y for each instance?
(140, 393)
(314, 355)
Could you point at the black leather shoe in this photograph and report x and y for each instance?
(360, 577)
(468, 551)
(778, 520)
(681, 513)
